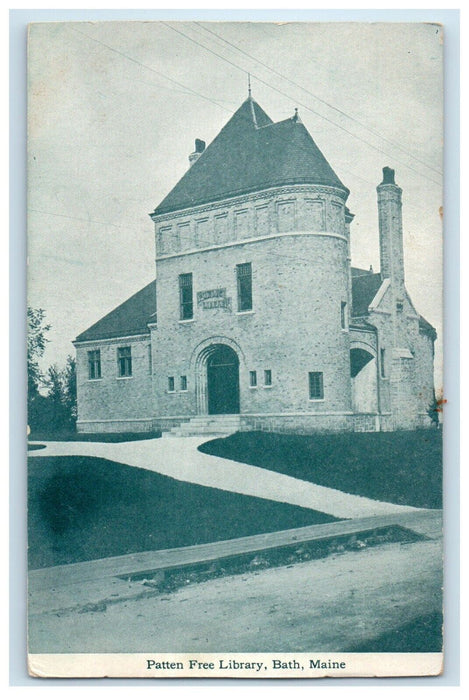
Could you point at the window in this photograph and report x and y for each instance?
(94, 364)
(183, 382)
(267, 377)
(149, 360)
(186, 307)
(399, 305)
(316, 388)
(124, 361)
(170, 383)
(252, 378)
(343, 315)
(244, 279)
(382, 365)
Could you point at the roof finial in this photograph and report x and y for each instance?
(249, 85)
(296, 119)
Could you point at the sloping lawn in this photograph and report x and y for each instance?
(83, 508)
(402, 467)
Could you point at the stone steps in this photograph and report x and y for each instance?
(206, 425)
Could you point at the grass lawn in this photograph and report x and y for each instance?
(70, 436)
(82, 508)
(402, 467)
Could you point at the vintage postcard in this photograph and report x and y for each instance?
(235, 349)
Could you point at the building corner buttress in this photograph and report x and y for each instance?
(349, 217)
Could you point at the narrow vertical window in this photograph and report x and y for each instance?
(316, 387)
(124, 361)
(170, 383)
(183, 384)
(244, 280)
(149, 359)
(343, 315)
(382, 355)
(253, 378)
(94, 364)
(186, 306)
(267, 377)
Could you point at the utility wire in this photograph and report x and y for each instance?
(77, 218)
(336, 109)
(204, 97)
(143, 65)
(284, 94)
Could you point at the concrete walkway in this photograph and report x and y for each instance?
(180, 459)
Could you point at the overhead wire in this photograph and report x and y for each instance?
(327, 104)
(302, 104)
(218, 104)
(76, 218)
(190, 90)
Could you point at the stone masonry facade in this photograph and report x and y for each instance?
(309, 348)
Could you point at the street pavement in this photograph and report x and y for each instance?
(331, 604)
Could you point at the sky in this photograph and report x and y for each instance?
(114, 108)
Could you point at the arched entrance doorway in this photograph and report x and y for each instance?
(223, 380)
(218, 380)
(364, 381)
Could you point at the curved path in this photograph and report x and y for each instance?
(180, 459)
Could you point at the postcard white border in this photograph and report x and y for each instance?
(19, 19)
(310, 665)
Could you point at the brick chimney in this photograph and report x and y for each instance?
(199, 149)
(403, 388)
(390, 231)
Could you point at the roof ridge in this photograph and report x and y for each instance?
(251, 103)
(283, 121)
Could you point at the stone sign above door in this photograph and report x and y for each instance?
(214, 299)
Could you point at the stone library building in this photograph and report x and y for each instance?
(256, 319)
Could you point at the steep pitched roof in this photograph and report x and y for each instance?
(364, 288)
(129, 318)
(426, 328)
(251, 153)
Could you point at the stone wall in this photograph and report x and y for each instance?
(297, 241)
(406, 377)
(279, 210)
(115, 426)
(114, 403)
(299, 278)
(424, 356)
(299, 424)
